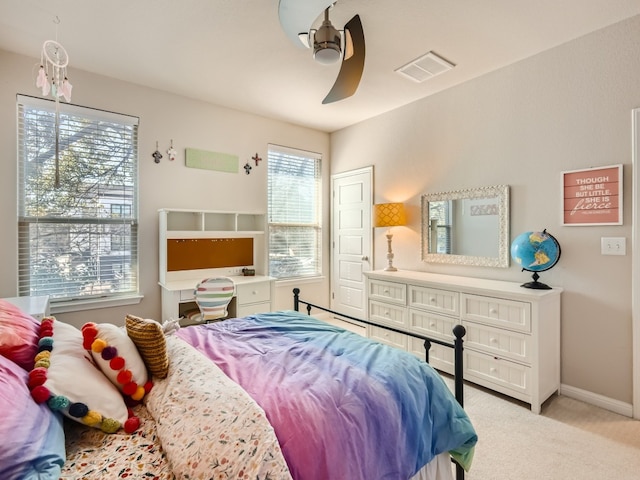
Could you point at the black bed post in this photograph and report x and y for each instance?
(459, 331)
(296, 299)
(427, 347)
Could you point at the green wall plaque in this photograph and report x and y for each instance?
(221, 162)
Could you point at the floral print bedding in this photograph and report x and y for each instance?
(210, 428)
(195, 424)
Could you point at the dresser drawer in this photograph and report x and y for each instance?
(487, 370)
(502, 343)
(387, 337)
(388, 314)
(253, 292)
(435, 300)
(432, 324)
(388, 291)
(498, 312)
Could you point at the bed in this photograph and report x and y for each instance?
(270, 396)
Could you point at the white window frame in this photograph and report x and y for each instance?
(113, 278)
(294, 213)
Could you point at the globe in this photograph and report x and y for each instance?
(535, 252)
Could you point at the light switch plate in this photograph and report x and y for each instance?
(613, 246)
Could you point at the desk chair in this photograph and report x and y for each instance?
(213, 296)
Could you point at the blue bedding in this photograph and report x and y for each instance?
(342, 406)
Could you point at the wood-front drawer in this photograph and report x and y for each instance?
(435, 300)
(387, 337)
(387, 314)
(388, 291)
(498, 312)
(253, 292)
(432, 324)
(502, 343)
(488, 370)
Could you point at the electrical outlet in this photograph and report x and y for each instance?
(613, 246)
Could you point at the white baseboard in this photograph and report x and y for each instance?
(601, 401)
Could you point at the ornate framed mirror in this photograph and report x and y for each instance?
(466, 227)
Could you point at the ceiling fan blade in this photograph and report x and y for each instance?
(352, 67)
(297, 16)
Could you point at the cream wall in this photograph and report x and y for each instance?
(567, 108)
(163, 117)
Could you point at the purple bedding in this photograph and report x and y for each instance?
(342, 406)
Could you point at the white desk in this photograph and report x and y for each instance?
(37, 307)
(254, 294)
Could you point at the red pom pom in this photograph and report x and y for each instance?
(148, 386)
(132, 424)
(124, 376)
(129, 388)
(88, 325)
(89, 334)
(46, 331)
(130, 412)
(37, 377)
(117, 363)
(40, 394)
(46, 321)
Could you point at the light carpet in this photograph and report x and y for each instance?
(568, 440)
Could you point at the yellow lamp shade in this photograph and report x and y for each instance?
(389, 215)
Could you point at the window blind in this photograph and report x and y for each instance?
(295, 213)
(78, 240)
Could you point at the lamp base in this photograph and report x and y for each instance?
(390, 268)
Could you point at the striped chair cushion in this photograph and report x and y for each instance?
(213, 296)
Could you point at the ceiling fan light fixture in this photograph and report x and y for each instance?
(326, 53)
(327, 42)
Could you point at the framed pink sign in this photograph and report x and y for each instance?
(592, 196)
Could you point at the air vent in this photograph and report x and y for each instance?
(425, 67)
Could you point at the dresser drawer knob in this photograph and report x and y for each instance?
(493, 311)
(493, 340)
(493, 370)
(387, 313)
(386, 291)
(432, 324)
(432, 300)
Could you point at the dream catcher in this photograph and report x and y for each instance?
(52, 79)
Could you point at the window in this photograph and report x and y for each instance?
(295, 213)
(77, 240)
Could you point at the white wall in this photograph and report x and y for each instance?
(163, 117)
(564, 109)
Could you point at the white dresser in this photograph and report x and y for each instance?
(512, 343)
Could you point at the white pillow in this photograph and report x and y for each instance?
(66, 377)
(118, 358)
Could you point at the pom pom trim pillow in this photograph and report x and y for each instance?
(67, 379)
(148, 336)
(118, 358)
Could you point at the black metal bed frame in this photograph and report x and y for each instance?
(458, 332)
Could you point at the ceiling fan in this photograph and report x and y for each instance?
(328, 43)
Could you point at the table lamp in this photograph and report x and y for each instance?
(389, 215)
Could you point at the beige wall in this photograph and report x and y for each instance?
(567, 108)
(165, 185)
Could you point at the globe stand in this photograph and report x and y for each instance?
(536, 284)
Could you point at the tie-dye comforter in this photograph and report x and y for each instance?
(342, 406)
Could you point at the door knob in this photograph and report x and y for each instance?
(365, 259)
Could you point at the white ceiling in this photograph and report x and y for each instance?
(234, 52)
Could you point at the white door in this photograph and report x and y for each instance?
(351, 240)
